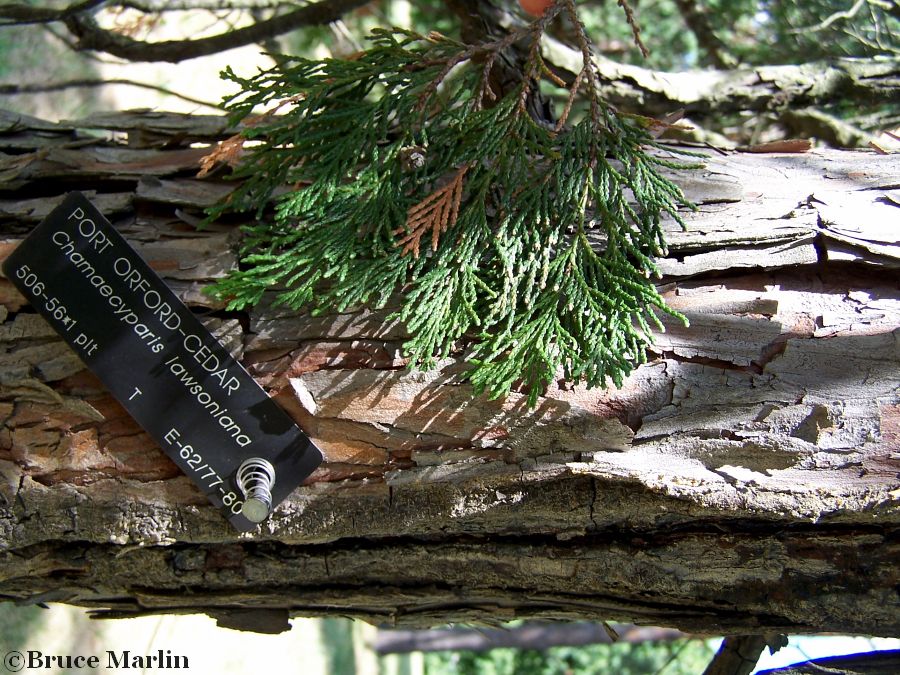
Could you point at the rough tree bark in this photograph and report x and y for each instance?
(720, 92)
(745, 481)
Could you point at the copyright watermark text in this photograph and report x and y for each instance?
(16, 661)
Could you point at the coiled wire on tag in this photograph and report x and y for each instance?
(255, 478)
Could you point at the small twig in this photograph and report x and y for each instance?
(485, 90)
(533, 67)
(550, 75)
(342, 32)
(672, 658)
(491, 50)
(635, 28)
(828, 21)
(436, 82)
(587, 61)
(573, 91)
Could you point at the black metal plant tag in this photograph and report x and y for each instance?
(161, 363)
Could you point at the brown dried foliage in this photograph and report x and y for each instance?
(438, 211)
(231, 149)
(227, 152)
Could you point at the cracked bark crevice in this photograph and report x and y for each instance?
(593, 504)
(409, 581)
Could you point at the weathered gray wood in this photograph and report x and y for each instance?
(154, 128)
(33, 211)
(12, 123)
(743, 481)
(717, 92)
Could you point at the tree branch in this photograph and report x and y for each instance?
(19, 14)
(158, 6)
(435, 506)
(39, 88)
(706, 92)
(738, 654)
(26, 14)
(91, 36)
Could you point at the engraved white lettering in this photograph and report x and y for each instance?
(88, 229)
(211, 363)
(67, 246)
(150, 298)
(213, 407)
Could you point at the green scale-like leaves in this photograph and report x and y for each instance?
(508, 201)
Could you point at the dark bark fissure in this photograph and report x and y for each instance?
(413, 580)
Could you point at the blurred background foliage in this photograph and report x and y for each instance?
(681, 35)
(683, 657)
(339, 646)
(753, 32)
(17, 624)
(329, 646)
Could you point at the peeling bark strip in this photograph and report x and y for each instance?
(745, 481)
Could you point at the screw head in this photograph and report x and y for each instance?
(255, 510)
